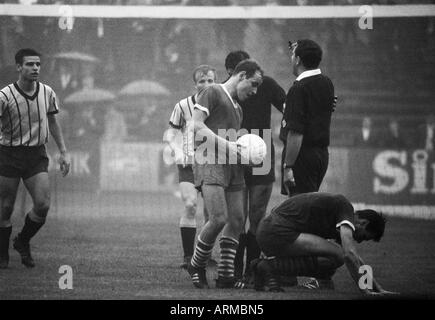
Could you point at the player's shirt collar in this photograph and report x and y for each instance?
(308, 73)
(235, 104)
(26, 95)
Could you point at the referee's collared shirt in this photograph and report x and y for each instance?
(24, 118)
(309, 106)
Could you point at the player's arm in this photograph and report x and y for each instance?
(353, 261)
(278, 96)
(56, 133)
(293, 146)
(296, 122)
(169, 137)
(3, 102)
(200, 129)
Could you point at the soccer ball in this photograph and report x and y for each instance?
(253, 149)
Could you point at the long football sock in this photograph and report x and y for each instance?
(201, 254)
(5, 235)
(228, 248)
(31, 226)
(188, 240)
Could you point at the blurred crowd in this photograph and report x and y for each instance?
(396, 57)
(222, 2)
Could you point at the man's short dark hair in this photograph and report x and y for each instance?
(376, 224)
(250, 66)
(27, 52)
(309, 52)
(234, 57)
(203, 69)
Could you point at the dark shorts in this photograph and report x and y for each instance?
(309, 169)
(22, 162)
(228, 176)
(255, 179)
(185, 174)
(274, 237)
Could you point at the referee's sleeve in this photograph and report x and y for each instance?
(297, 112)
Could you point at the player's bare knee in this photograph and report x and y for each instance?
(218, 220)
(237, 222)
(41, 209)
(190, 208)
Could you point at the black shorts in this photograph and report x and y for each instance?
(185, 174)
(23, 162)
(273, 236)
(255, 180)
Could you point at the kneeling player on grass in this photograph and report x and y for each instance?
(312, 235)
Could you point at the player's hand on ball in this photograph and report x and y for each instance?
(64, 163)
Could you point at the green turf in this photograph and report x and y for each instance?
(129, 248)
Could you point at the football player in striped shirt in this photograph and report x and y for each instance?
(203, 76)
(27, 113)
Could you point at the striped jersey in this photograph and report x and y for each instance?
(182, 113)
(24, 118)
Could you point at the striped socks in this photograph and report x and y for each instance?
(228, 248)
(202, 253)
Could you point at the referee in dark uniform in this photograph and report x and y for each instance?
(27, 113)
(305, 127)
(256, 116)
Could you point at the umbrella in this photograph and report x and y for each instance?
(90, 95)
(144, 87)
(75, 55)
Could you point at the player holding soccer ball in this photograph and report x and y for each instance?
(203, 77)
(217, 110)
(258, 187)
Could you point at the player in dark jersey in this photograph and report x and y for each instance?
(258, 188)
(217, 112)
(312, 235)
(27, 113)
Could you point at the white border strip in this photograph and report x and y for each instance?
(207, 12)
(417, 212)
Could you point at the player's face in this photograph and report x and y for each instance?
(30, 68)
(247, 87)
(361, 234)
(205, 80)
